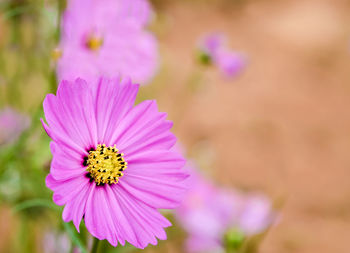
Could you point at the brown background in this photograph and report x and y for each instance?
(283, 126)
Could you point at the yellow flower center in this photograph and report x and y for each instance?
(94, 43)
(105, 164)
(56, 54)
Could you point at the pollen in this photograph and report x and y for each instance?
(106, 164)
(56, 54)
(94, 43)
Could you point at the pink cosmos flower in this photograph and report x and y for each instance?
(256, 214)
(106, 37)
(212, 43)
(214, 50)
(113, 163)
(204, 214)
(12, 124)
(208, 213)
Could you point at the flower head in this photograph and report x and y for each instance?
(113, 163)
(209, 214)
(107, 37)
(213, 50)
(256, 214)
(12, 124)
(205, 213)
(211, 43)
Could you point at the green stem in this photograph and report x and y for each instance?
(95, 245)
(53, 82)
(74, 238)
(60, 8)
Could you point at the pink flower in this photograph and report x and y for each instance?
(56, 242)
(106, 37)
(113, 163)
(205, 214)
(208, 213)
(12, 124)
(256, 214)
(213, 50)
(212, 43)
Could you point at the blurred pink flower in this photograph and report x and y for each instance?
(12, 124)
(211, 43)
(113, 163)
(106, 38)
(208, 213)
(213, 50)
(205, 213)
(56, 242)
(256, 214)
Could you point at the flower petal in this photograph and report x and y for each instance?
(67, 189)
(144, 128)
(75, 208)
(156, 178)
(142, 218)
(69, 122)
(98, 217)
(113, 100)
(65, 165)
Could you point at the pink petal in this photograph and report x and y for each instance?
(113, 101)
(203, 244)
(156, 178)
(142, 219)
(75, 208)
(65, 165)
(67, 189)
(114, 215)
(144, 128)
(98, 218)
(68, 121)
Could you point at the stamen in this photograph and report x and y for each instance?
(105, 164)
(94, 43)
(56, 54)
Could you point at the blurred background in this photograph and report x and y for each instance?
(282, 126)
